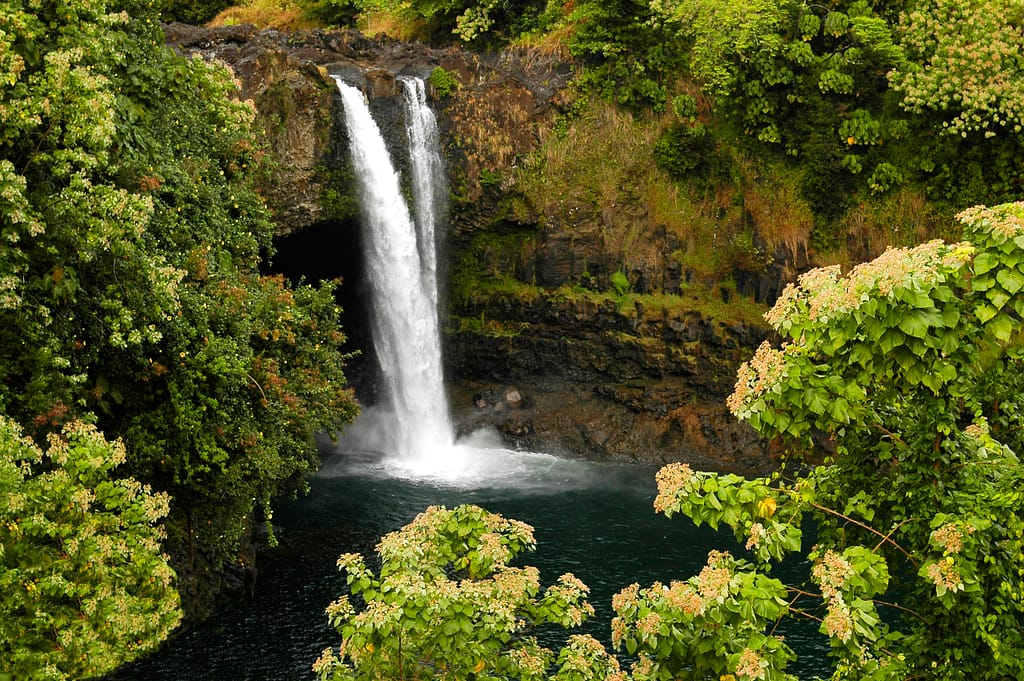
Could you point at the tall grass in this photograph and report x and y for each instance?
(903, 217)
(283, 15)
(602, 161)
(375, 22)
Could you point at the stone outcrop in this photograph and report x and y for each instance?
(608, 380)
(605, 379)
(494, 113)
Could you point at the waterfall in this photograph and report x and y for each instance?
(429, 190)
(401, 261)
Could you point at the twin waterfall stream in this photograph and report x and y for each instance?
(401, 256)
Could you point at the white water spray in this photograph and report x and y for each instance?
(402, 263)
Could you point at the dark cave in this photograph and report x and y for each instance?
(331, 250)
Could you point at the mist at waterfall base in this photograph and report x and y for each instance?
(595, 520)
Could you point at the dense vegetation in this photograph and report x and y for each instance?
(131, 299)
(84, 585)
(152, 374)
(865, 96)
(742, 130)
(911, 366)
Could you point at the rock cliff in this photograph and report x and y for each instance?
(549, 361)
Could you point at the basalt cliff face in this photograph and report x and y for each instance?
(612, 377)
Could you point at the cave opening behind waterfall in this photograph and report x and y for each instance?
(329, 250)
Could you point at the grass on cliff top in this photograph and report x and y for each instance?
(291, 15)
(283, 15)
(603, 160)
(692, 298)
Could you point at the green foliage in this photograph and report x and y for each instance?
(333, 13)
(130, 286)
(773, 65)
(966, 66)
(191, 11)
(710, 626)
(84, 586)
(470, 21)
(813, 82)
(487, 265)
(446, 603)
(444, 82)
(684, 151)
(630, 57)
(911, 363)
(619, 283)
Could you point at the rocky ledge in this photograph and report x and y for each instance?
(491, 116)
(608, 380)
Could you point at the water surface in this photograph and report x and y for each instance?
(594, 520)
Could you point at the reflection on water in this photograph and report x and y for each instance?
(593, 519)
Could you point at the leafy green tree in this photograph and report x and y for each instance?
(962, 80)
(192, 11)
(911, 365)
(804, 80)
(130, 290)
(965, 65)
(334, 13)
(84, 585)
(770, 63)
(470, 21)
(447, 604)
(632, 57)
(856, 91)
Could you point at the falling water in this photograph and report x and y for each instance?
(429, 189)
(402, 262)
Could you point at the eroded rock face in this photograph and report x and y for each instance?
(597, 380)
(609, 381)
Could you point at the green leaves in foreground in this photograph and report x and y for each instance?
(84, 586)
(714, 624)
(911, 365)
(446, 604)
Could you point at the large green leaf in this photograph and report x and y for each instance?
(1010, 279)
(918, 324)
(1002, 327)
(985, 261)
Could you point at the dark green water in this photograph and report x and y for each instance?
(595, 520)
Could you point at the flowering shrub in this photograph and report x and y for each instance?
(446, 604)
(965, 64)
(713, 624)
(911, 364)
(130, 285)
(84, 586)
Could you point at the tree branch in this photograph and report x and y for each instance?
(885, 538)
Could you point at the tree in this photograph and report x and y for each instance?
(446, 604)
(470, 21)
(84, 586)
(965, 65)
(911, 366)
(769, 62)
(632, 56)
(963, 87)
(130, 284)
